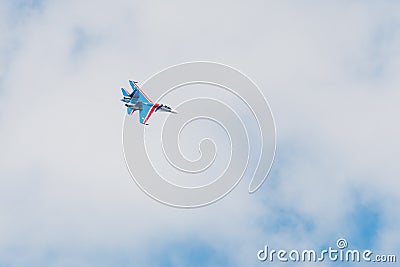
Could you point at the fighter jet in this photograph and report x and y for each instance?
(138, 100)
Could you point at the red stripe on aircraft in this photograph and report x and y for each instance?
(150, 112)
(148, 98)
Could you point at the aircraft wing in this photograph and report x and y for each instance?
(148, 107)
(135, 96)
(146, 112)
(139, 94)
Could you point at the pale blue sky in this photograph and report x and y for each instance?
(329, 72)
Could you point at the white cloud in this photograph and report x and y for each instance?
(329, 72)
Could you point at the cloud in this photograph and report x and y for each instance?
(328, 71)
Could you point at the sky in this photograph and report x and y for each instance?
(328, 70)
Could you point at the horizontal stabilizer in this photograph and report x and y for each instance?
(129, 110)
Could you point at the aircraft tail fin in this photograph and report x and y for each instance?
(124, 92)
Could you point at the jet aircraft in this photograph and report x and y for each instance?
(138, 100)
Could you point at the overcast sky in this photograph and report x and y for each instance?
(330, 72)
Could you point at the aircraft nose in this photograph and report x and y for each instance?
(174, 111)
